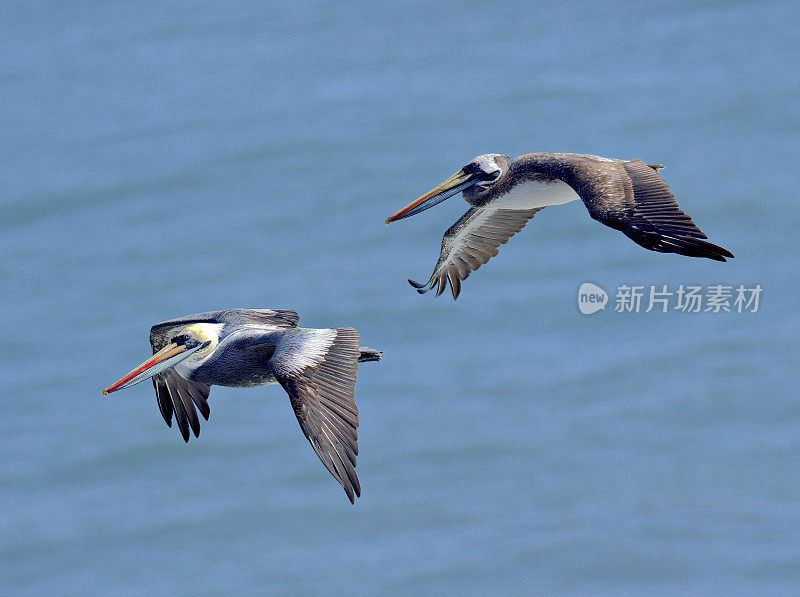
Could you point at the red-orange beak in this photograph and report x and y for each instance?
(164, 359)
(455, 184)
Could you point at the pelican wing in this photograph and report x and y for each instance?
(281, 318)
(633, 198)
(472, 241)
(317, 368)
(174, 393)
(161, 333)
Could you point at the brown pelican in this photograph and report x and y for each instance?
(243, 348)
(627, 195)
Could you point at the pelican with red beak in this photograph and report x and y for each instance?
(627, 195)
(252, 347)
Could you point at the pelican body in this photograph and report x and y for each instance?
(243, 348)
(627, 195)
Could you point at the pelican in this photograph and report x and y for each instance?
(627, 195)
(243, 348)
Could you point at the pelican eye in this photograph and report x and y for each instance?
(486, 179)
(182, 339)
(482, 176)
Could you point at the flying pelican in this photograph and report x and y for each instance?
(629, 196)
(243, 348)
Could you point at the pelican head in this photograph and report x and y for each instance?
(186, 351)
(474, 179)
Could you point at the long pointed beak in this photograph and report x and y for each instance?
(456, 183)
(163, 359)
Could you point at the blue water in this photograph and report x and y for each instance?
(163, 161)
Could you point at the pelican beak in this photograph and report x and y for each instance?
(456, 183)
(164, 359)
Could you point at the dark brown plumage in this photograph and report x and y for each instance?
(627, 195)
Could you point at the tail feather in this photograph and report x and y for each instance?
(369, 354)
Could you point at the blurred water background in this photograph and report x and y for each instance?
(164, 160)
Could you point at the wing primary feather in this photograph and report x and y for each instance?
(163, 399)
(191, 413)
(633, 197)
(180, 413)
(318, 371)
(199, 400)
(472, 241)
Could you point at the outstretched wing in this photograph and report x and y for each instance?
(161, 333)
(178, 395)
(174, 393)
(317, 368)
(633, 198)
(472, 241)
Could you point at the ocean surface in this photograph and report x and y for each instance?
(161, 161)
